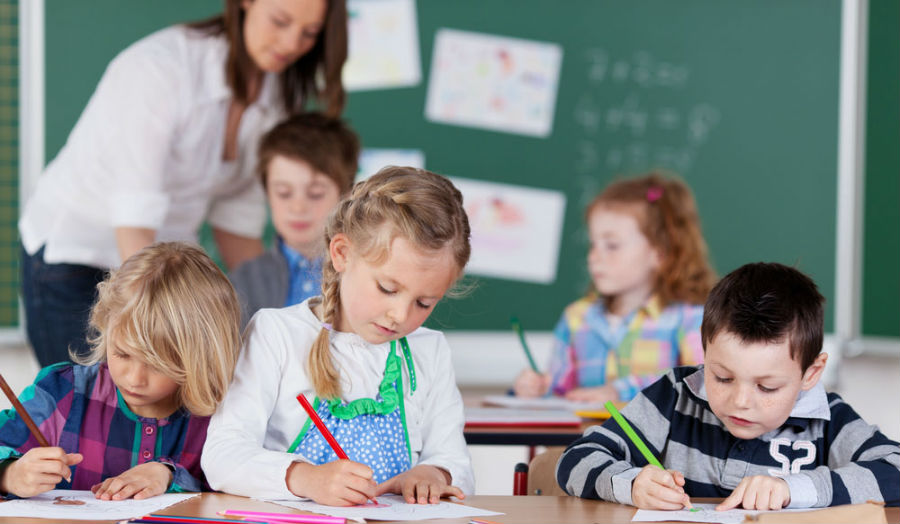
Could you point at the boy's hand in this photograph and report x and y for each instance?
(38, 470)
(655, 488)
(421, 485)
(758, 492)
(338, 483)
(530, 384)
(597, 395)
(141, 482)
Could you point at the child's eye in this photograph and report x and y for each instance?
(315, 195)
(767, 390)
(384, 290)
(423, 305)
(722, 379)
(279, 22)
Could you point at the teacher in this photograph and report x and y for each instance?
(167, 141)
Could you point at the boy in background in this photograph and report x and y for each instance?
(752, 424)
(306, 164)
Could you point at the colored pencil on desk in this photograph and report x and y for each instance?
(285, 517)
(176, 519)
(20, 409)
(626, 427)
(518, 329)
(322, 429)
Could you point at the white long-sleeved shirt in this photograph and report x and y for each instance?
(260, 417)
(147, 152)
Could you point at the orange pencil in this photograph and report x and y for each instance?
(20, 409)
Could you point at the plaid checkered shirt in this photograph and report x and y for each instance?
(79, 409)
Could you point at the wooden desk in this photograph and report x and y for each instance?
(520, 510)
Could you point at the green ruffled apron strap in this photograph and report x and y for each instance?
(407, 356)
(305, 430)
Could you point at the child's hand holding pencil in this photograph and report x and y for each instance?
(38, 470)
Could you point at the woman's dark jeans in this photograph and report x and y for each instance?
(58, 300)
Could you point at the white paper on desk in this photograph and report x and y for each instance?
(391, 507)
(551, 403)
(516, 230)
(493, 82)
(707, 513)
(64, 504)
(520, 417)
(383, 45)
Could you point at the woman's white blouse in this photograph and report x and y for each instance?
(147, 152)
(248, 437)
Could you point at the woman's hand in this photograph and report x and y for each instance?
(597, 395)
(530, 384)
(337, 483)
(421, 485)
(656, 488)
(141, 482)
(38, 470)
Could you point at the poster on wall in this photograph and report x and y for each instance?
(516, 230)
(383, 45)
(371, 159)
(493, 82)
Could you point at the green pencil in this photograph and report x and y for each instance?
(518, 329)
(645, 451)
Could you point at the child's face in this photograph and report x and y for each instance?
(752, 387)
(147, 392)
(301, 199)
(621, 260)
(278, 32)
(387, 301)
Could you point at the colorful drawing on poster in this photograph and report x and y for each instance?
(383, 45)
(493, 82)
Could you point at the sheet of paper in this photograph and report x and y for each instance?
(552, 403)
(493, 82)
(516, 230)
(383, 43)
(372, 159)
(392, 507)
(519, 417)
(63, 504)
(707, 513)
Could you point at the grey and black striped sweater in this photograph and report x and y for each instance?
(827, 454)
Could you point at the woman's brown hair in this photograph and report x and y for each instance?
(420, 206)
(667, 216)
(324, 61)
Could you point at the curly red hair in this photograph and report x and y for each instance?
(667, 215)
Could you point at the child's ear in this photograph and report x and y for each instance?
(339, 250)
(814, 372)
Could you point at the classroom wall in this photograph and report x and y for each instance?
(75, 59)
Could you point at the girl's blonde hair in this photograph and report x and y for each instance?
(667, 216)
(171, 303)
(420, 206)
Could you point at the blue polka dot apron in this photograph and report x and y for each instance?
(371, 431)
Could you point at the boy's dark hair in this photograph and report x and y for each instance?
(766, 302)
(327, 144)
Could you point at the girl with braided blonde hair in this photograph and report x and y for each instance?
(382, 384)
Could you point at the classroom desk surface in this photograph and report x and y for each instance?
(516, 436)
(520, 510)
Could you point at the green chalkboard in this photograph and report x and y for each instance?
(881, 253)
(741, 99)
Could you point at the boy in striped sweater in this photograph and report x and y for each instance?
(752, 424)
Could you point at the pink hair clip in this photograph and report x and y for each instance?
(654, 193)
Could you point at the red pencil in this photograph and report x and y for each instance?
(322, 429)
